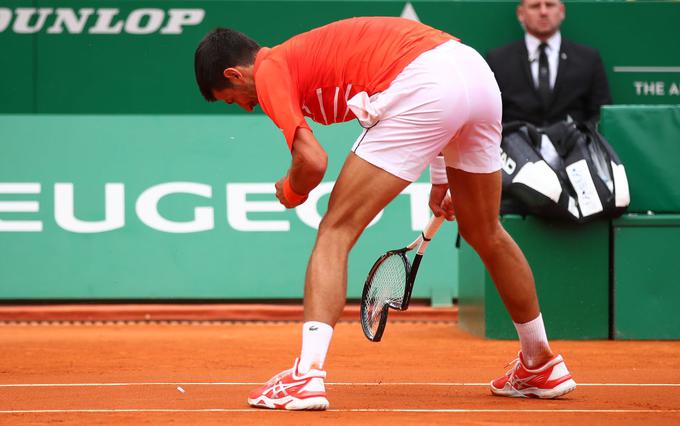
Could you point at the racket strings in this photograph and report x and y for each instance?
(388, 284)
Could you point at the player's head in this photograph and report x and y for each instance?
(223, 64)
(541, 18)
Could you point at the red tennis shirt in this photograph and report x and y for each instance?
(314, 74)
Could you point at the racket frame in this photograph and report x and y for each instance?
(411, 269)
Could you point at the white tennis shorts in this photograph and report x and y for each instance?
(445, 101)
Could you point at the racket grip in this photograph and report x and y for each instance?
(432, 227)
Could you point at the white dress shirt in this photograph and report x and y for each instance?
(552, 51)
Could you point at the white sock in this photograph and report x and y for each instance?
(533, 340)
(316, 337)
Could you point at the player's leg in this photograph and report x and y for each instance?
(360, 193)
(473, 169)
(476, 199)
(473, 160)
(477, 202)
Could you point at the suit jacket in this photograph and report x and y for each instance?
(580, 85)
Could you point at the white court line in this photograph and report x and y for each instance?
(444, 384)
(351, 410)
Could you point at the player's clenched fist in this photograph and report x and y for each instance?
(286, 195)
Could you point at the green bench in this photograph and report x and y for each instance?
(608, 279)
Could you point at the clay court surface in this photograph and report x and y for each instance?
(422, 373)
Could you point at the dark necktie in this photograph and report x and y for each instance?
(543, 75)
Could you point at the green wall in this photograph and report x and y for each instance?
(647, 139)
(130, 115)
(570, 264)
(601, 279)
(88, 71)
(646, 279)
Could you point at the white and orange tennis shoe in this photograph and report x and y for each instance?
(289, 390)
(549, 381)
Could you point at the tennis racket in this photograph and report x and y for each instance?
(390, 282)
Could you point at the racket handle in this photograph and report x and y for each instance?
(432, 227)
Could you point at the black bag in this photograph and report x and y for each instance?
(566, 171)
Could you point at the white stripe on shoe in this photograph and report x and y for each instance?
(289, 402)
(559, 370)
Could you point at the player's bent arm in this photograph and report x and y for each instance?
(309, 162)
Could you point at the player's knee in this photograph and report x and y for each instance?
(484, 237)
(337, 233)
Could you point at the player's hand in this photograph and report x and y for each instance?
(441, 203)
(282, 197)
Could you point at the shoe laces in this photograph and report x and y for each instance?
(514, 365)
(513, 380)
(278, 378)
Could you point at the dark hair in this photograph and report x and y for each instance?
(221, 48)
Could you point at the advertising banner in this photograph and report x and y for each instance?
(136, 57)
(179, 207)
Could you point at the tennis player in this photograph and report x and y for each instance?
(423, 99)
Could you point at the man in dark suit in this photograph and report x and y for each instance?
(545, 78)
